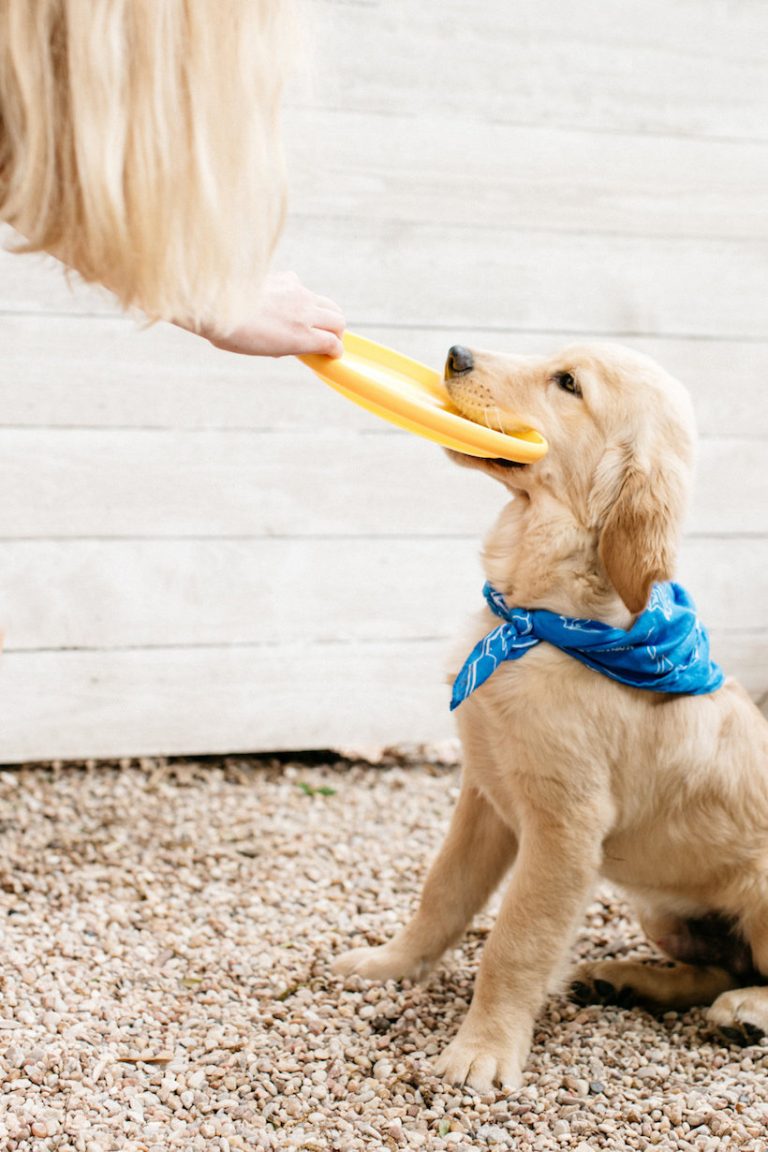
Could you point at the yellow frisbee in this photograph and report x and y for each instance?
(413, 396)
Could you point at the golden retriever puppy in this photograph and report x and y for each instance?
(570, 775)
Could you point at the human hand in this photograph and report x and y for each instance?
(288, 320)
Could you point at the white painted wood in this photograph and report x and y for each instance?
(396, 272)
(37, 283)
(494, 277)
(162, 377)
(101, 594)
(66, 704)
(119, 594)
(71, 483)
(111, 373)
(427, 169)
(72, 704)
(202, 552)
(677, 67)
(156, 483)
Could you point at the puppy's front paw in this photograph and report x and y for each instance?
(483, 1062)
(384, 963)
(741, 1015)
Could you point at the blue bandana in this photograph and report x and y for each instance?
(665, 650)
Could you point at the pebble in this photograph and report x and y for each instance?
(155, 938)
(579, 1086)
(492, 1134)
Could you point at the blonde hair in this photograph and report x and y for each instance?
(139, 144)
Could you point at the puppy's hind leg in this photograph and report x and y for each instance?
(630, 982)
(476, 853)
(711, 955)
(742, 1014)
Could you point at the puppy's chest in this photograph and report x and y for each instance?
(531, 679)
(528, 731)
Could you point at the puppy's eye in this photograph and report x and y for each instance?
(567, 382)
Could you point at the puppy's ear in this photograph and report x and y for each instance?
(641, 525)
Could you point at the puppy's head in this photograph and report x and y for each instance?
(621, 436)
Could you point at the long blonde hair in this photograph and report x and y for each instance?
(139, 144)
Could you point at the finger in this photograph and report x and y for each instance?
(326, 302)
(325, 343)
(331, 321)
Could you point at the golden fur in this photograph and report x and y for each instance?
(570, 776)
(139, 145)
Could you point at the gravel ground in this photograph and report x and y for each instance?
(165, 980)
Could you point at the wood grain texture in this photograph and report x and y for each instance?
(428, 169)
(149, 701)
(203, 552)
(105, 594)
(113, 374)
(672, 67)
(73, 483)
(69, 704)
(399, 272)
(611, 283)
(39, 284)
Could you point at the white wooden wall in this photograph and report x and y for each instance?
(201, 552)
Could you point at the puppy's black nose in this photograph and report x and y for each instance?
(459, 361)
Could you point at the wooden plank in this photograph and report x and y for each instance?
(498, 175)
(727, 581)
(213, 484)
(685, 67)
(68, 705)
(454, 171)
(743, 655)
(75, 371)
(38, 283)
(63, 484)
(392, 272)
(131, 594)
(73, 704)
(421, 275)
(112, 594)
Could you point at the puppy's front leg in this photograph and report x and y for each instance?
(477, 852)
(556, 866)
